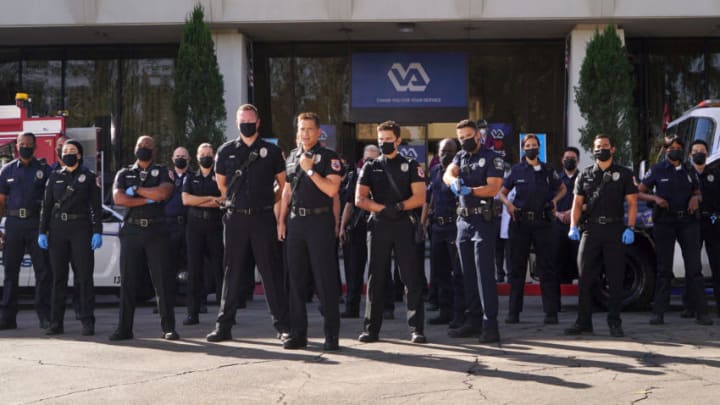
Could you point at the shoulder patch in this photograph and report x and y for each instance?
(335, 164)
(498, 163)
(420, 172)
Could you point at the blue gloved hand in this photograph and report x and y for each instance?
(628, 237)
(465, 190)
(456, 186)
(149, 201)
(43, 241)
(96, 241)
(574, 233)
(130, 191)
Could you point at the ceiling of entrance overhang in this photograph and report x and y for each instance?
(356, 31)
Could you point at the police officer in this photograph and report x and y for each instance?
(72, 215)
(204, 231)
(397, 185)
(566, 249)
(22, 185)
(246, 170)
(709, 213)
(440, 211)
(313, 180)
(538, 189)
(677, 202)
(598, 206)
(176, 212)
(475, 175)
(353, 234)
(144, 238)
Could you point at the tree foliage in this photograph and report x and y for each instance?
(198, 103)
(605, 95)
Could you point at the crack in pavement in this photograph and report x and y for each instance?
(470, 373)
(646, 394)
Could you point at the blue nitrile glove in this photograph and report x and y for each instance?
(628, 237)
(96, 241)
(456, 186)
(43, 241)
(465, 190)
(149, 201)
(574, 233)
(130, 191)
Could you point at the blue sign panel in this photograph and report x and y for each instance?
(430, 79)
(495, 137)
(543, 146)
(327, 136)
(416, 152)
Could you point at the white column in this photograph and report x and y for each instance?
(579, 37)
(233, 63)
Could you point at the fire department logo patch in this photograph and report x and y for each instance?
(710, 178)
(616, 176)
(154, 172)
(404, 167)
(263, 152)
(335, 165)
(39, 174)
(81, 178)
(421, 172)
(481, 162)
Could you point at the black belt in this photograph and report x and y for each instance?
(603, 220)
(682, 214)
(64, 216)
(144, 222)
(444, 220)
(180, 219)
(303, 212)
(23, 212)
(249, 211)
(209, 214)
(468, 211)
(523, 215)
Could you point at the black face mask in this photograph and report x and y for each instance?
(180, 163)
(25, 152)
(469, 145)
(206, 161)
(675, 155)
(602, 155)
(532, 153)
(699, 158)
(387, 147)
(446, 159)
(248, 129)
(143, 154)
(570, 164)
(70, 159)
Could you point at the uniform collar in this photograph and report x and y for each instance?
(33, 163)
(135, 166)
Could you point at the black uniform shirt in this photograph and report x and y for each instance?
(475, 169)
(202, 186)
(674, 184)
(24, 186)
(254, 189)
(305, 193)
(404, 172)
(174, 206)
(443, 200)
(84, 200)
(710, 189)
(153, 176)
(566, 202)
(533, 189)
(611, 199)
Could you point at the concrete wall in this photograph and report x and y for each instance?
(232, 60)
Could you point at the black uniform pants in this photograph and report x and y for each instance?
(445, 269)
(687, 234)
(311, 253)
(540, 235)
(254, 235)
(476, 248)
(601, 249)
(565, 253)
(20, 237)
(710, 236)
(69, 242)
(355, 255)
(141, 247)
(384, 237)
(204, 253)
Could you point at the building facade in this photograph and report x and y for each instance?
(425, 64)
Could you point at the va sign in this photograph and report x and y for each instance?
(430, 79)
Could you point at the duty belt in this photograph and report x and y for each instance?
(444, 220)
(64, 216)
(180, 219)
(303, 212)
(603, 220)
(249, 211)
(144, 222)
(468, 211)
(681, 214)
(23, 212)
(531, 215)
(206, 214)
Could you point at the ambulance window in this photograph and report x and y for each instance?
(704, 130)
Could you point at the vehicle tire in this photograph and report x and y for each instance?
(639, 281)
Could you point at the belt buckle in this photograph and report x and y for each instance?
(302, 212)
(441, 221)
(680, 214)
(143, 222)
(463, 211)
(63, 216)
(602, 220)
(22, 213)
(530, 215)
(181, 220)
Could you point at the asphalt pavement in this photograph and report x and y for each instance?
(675, 363)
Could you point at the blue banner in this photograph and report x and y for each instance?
(495, 136)
(327, 136)
(416, 152)
(429, 79)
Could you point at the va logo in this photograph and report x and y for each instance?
(323, 136)
(409, 152)
(414, 78)
(497, 133)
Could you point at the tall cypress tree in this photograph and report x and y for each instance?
(198, 104)
(605, 96)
